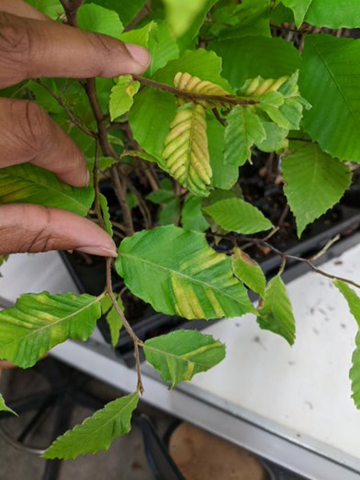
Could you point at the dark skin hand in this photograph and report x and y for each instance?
(32, 46)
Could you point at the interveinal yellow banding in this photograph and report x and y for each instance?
(190, 84)
(186, 153)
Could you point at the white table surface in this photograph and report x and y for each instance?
(300, 393)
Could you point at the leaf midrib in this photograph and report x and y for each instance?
(355, 122)
(51, 325)
(113, 417)
(30, 181)
(183, 358)
(190, 279)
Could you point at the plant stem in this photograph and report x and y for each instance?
(304, 260)
(137, 342)
(194, 97)
(120, 192)
(68, 112)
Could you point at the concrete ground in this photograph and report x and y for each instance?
(124, 461)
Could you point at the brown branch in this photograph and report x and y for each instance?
(71, 7)
(137, 342)
(120, 192)
(97, 206)
(194, 97)
(307, 261)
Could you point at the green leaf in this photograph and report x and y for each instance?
(329, 79)
(37, 323)
(236, 215)
(314, 180)
(326, 13)
(251, 56)
(181, 13)
(192, 217)
(96, 433)
(106, 214)
(180, 355)
(198, 63)
(251, 17)
(149, 128)
(224, 175)
(188, 39)
(248, 271)
(243, 130)
(112, 317)
(159, 39)
(161, 196)
(3, 407)
(353, 301)
(300, 9)
(179, 274)
(27, 183)
(170, 212)
(94, 18)
(126, 9)
(186, 153)
(51, 8)
(276, 137)
(122, 96)
(276, 312)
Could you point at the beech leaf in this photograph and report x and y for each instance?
(275, 312)
(39, 322)
(179, 274)
(96, 433)
(180, 355)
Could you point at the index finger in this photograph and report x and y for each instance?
(32, 48)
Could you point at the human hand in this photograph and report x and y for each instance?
(31, 46)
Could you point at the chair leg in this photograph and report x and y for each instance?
(62, 423)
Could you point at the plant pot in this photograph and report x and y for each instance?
(147, 323)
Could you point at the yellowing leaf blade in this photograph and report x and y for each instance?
(180, 355)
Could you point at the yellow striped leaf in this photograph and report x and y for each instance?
(39, 322)
(179, 274)
(186, 154)
(190, 84)
(180, 355)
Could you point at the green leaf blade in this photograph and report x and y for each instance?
(31, 184)
(179, 274)
(180, 355)
(276, 314)
(236, 215)
(96, 433)
(353, 301)
(243, 130)
(4, 407)
(249, 271)
(39, 322)
(329, 76)
(315, 182)
(96, 18)
(122, 96)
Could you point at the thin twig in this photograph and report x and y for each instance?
(68, 112)
(194, 97)
(120, 192)
(97, 206)
(137, 342)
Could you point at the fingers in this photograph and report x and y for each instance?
(32, 48)
(21, 9)
(28, 134)
(32, 228)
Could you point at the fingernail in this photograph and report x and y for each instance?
(139, 54)
(98, 250)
